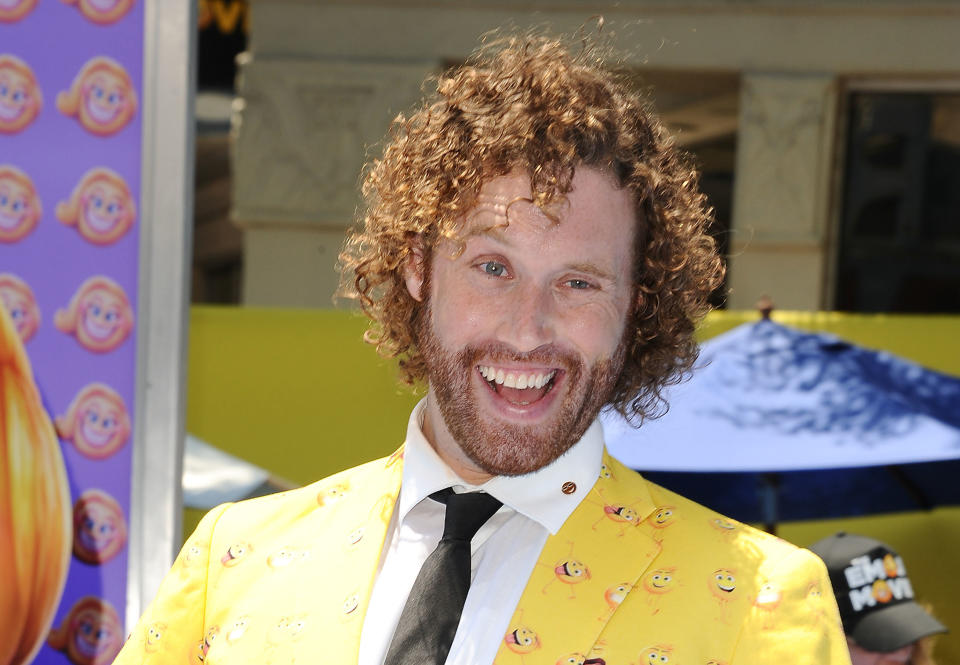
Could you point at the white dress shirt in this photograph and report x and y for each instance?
(504, 550)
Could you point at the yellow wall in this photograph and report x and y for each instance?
(298, 393)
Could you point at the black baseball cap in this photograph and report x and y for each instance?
(874, 593)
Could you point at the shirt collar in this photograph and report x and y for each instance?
(547, 496)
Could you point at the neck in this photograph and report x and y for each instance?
(438, 436)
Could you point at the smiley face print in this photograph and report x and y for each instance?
(101, 97)
(99, 315)
(101, 207)
(723, 584)
(99, 527)
(20, 208)
(235, 554)
(96, 422)
(20, 96)
(102, 12)
(14, 10)
(522, 640)
(656, 655)
(90, 634)
(17, 297)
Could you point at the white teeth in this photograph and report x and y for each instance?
(515, 379)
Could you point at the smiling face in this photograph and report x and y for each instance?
(20, 98)
(104, 208)
(18, 299)
(19, 205)
(95, 637)
(98, 527)
(522, 332)
(106, 101)
(101, 424)
(104, 319)
(723, 583)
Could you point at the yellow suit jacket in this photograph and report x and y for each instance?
(636, 576)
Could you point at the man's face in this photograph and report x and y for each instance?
(523, 330)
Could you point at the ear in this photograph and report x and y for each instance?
(414, 269)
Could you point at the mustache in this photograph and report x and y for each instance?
(548, 355)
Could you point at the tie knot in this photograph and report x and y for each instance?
(465, 513)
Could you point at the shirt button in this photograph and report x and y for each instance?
(568, 487)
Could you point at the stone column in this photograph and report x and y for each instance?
(302, 131)
(781, 203)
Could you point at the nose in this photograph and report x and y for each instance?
(528, 317)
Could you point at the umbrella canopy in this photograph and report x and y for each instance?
(764, 398)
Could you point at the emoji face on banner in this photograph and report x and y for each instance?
(19, 206)
(14, 10)
(101, 97)
(96, 422)
(101, 207)
(20, 97)
(99, 314)
(99, 529)
(101, 11)
(18, 298)
(90, 634)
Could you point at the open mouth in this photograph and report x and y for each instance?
(520, 388)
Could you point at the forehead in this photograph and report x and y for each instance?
(596, 215)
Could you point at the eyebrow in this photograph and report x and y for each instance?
(497, 234)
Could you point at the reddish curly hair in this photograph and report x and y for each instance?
(528, 104)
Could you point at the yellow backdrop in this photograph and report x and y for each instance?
(298, 393)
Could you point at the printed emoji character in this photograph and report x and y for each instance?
(203, 646)
(20, 96)
(102, 11)
(572, 659)
(882, 592)
(287, 629)
(767, 600)
(350, 603)
(660, 519)
(235, 554)
(723, 586)
(90, 634)
(18, 299)
(285, 556)
(616, 594)
(96, 422)
(101, 97)
(99, 314)
(724, 527)
(331, 495)
(14, 10)
(20, 208)
(99, 528)
(656, 655)
(570, 571)
(605, 472)
(522, 640)
(154, 637)
(237, 630)
(657, 583)
(101, 207)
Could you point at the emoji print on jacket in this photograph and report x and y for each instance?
(20, 208)
(99, 315)
(99, 527)
(96, 422)
(101, 97)
(90, 634)
(17, 297)
(20, 96)
(14, 10)
(103, 12)
(101, 207)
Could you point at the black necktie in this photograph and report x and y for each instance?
(430, 617)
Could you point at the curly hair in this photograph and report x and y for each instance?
(530, 105)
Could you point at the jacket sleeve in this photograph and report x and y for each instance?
(172, 628)
(793, 617)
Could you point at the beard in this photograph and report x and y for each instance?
(506, 448)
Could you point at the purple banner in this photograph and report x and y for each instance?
(70, 155)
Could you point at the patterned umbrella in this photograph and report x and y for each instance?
(776, 423)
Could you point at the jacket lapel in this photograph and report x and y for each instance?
(584, 572)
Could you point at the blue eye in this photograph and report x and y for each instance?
(93, 417)
(17, 96)
(3, 199)
(97, 201)
(110, 316)
(112, 208)
(3, 90)
(95, 309)
(17, 206)
(578, 284)
(113, 98)
(494, 268)
(98, 93)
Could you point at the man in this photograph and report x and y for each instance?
(883, 623)
(535, 249)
